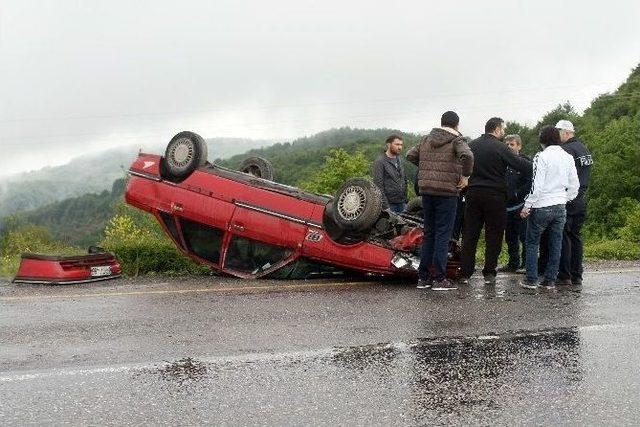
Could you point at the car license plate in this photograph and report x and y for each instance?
(102, 270)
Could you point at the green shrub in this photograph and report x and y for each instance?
(630, 231)
(612, 249)
(338, 167)
(142, 247)
(29, 238)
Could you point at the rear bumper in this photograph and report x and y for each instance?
(54, 281)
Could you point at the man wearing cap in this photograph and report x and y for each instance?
(571, 257)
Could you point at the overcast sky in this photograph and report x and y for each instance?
(81, 76)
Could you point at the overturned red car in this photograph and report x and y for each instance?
(244, 224)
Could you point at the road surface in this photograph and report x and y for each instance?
(210, 350)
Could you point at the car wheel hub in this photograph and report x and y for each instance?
(182, 152)
(351, 203)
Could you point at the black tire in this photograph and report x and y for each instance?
(357, 205)
(186, 152)
(257, 166)
(414, 207)
(337, 233)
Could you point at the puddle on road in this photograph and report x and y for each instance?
(478, 379)
(510, 289)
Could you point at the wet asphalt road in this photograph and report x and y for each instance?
(224, 351)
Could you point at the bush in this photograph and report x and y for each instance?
(338, 167)
(29, 238)
(630, 231)
(612, 249)
(141, 246)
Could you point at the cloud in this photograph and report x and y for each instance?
(80, 77)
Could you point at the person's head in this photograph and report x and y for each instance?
(549, 135)
(394, 145)
(496, 127)
(514, 142)
(450, 119)
(565, 127)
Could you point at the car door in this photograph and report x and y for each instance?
(202, 222)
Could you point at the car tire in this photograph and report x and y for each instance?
(357, 205)
(335, 232)
(258, 167)
(186, 152)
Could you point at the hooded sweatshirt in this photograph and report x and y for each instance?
(555, 179)
(442, 157)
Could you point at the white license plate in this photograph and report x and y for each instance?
(102, 270)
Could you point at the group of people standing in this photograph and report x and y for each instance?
(488, 184)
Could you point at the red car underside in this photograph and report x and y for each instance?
(228, 220)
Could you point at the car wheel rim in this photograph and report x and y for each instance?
(181, 152)
(351, 203)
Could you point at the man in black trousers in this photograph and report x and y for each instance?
(571, 256)
(518, 186)
(486, 199)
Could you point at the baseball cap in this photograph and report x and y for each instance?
(565, 125)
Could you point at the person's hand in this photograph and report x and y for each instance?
(525, 212)
(464, 181)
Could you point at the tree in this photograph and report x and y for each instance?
(339, 165)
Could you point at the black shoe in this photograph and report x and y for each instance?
(564, 282)
(443, 285)
(489, 279)
(507, 269)
(424, 284)
(547, 284)
(528, 285)
(576, 282)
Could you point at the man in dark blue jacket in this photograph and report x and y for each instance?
(518, 186)
(571, 257)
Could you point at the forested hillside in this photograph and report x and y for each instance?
(77, 220)
(295, 162)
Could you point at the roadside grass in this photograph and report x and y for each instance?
(618, 249)
(29, 238)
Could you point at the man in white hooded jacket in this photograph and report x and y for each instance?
(555, 182)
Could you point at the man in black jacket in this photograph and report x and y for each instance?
(571, 257)
(518, 186)
(486, 199)
(389, 175)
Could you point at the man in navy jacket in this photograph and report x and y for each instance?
(571, 257)
(518, 186)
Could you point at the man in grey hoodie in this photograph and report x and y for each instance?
(444, 163)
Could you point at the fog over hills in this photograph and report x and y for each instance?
(92, 173)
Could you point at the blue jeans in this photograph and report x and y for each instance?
(439, 216)
(397, 207)
(552, 219)
(515, 234)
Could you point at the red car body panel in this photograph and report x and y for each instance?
(47, 269)
(245, 207)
